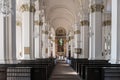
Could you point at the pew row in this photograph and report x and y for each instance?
(95, 69)
(27, 70)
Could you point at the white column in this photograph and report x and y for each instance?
(72, 46)
(11, 34)
(25, 25)
(28, 10)
(38, 37)
(9, 23)
(19, 40)
(115, 41)
(84, 35)
(40, 40)
(2, 57)
(6, 40)
(107, 35)
(49, 47)
(77, 41)
(95, 47)
(43, 38)
(67, 50)
(67, 46)
(103, 41)
(32, 31)
(53, 50)
(45, 41)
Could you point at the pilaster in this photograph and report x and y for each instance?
(77, 49)
(84, 35)
(45, 41)
(106, 48)
(2, 57)
(19, 40)
(28, 9)
(10, 34)
(115, 40)
(95, 42)
(38, 34)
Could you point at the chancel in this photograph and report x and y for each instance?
(59, 40)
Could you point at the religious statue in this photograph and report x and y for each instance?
(60, 45)
(61, 41)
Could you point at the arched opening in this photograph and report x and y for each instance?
(60, 42)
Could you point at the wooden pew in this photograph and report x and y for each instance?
(79, 62)
(72, 63)
(27, 70)
(90, 63)
(96, 72)
(2, 73)
(111, 73)
(75, 63)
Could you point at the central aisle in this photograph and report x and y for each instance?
(63, 71)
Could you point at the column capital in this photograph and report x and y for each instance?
(97, 8)
(84, 23)
(32, 8)
(27, 7)
(45, 32)
(71, 37)
(107, 23)
(38, 23)
(107, 19)
(84, 19)
(77, 32)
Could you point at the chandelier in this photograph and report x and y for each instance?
(5, 7)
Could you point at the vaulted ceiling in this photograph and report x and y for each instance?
(64, 13)
(61, 13)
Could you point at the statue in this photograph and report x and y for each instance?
(61, 41)
(60, 45)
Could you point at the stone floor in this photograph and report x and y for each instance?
(63, 71)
